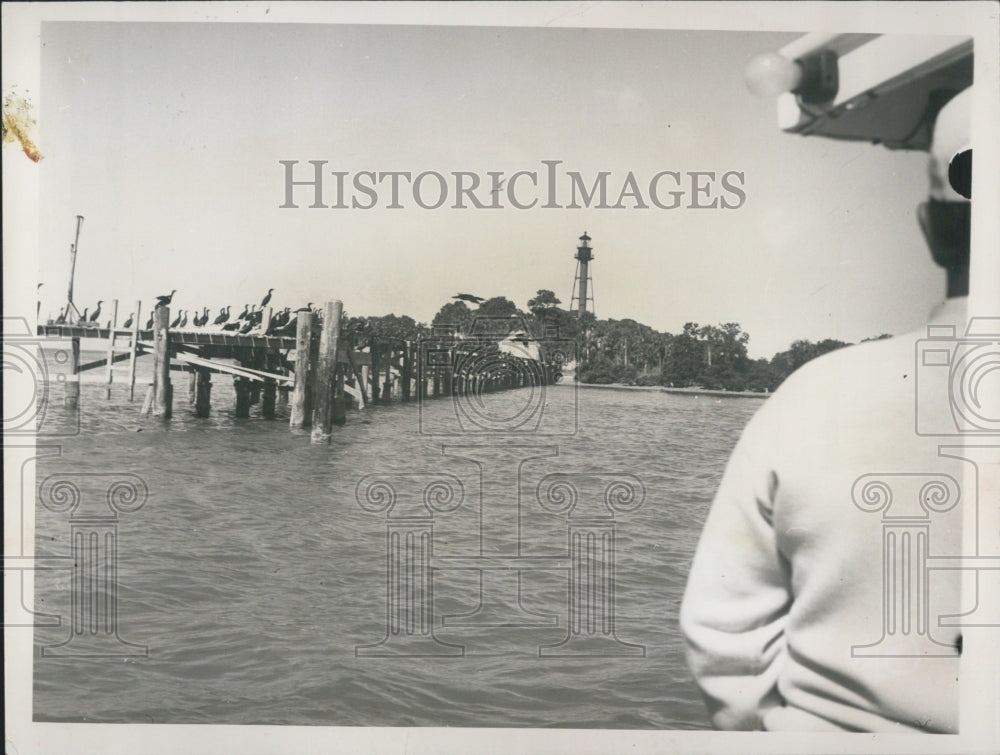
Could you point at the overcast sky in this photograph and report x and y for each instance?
(167, 138)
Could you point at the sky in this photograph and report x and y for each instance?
(167, 138)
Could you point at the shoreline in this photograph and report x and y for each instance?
(665, 389)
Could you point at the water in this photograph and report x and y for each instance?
(252, 573)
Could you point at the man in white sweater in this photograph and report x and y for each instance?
(808, 606)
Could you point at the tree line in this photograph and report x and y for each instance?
(618, 351)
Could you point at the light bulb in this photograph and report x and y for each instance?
(768, 74)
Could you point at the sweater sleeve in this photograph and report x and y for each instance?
(738, 595)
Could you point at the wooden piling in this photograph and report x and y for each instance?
(192, 387)
(162, 390)
(326, 373)
(268, 395)
(387, 386)
(339, 400)
(373, 371)
(404, 376)
(203, 393)
(133, 345)
(242, 386)
(72, 398)
(301, 414)
(111, 350)
(283, 391)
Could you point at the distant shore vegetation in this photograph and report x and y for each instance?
(626, 352)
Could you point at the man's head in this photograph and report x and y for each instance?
(945, 217)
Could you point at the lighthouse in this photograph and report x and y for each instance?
(582, 285)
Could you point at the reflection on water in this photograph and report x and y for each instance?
(252, 573)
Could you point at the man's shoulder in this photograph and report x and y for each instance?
(868, 364)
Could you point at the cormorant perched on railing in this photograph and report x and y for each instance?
(266, 299)
(279, 321)
(83, 317)
(247, 327)
(243, 314)
(61, 320)
(128, 322)
(97, 312)
(184, 319)
(223, 315)
(164, 301)
(149, 322)
(177, 320)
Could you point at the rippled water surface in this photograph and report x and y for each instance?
(252, 574)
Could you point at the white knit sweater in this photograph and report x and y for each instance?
(789, 574)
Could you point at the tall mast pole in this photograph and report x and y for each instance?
(72, 262)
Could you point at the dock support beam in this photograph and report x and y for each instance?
(326, 373)
(339, 400)
(373, 370)
(268, 395)
(203, 393)
(72, 399)
(404, 378)
(162, 390)
(301, 414)
(242, 386)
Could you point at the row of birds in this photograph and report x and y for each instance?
(283, 323)
(252, 316)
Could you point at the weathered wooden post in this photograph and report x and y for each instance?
(339, 405)
(326, 373)
(203, 393)
(242, 386)
(404, 376)
(111, 349)
(301, 414)
(449, 375)
(268, 395)
(387, 390)
(163, 396)
(132, 347)
(373, 372)
(72, 399)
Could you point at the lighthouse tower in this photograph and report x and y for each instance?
(583, 296)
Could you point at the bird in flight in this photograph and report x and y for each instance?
(469, 297)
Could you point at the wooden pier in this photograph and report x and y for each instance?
(319, 370)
